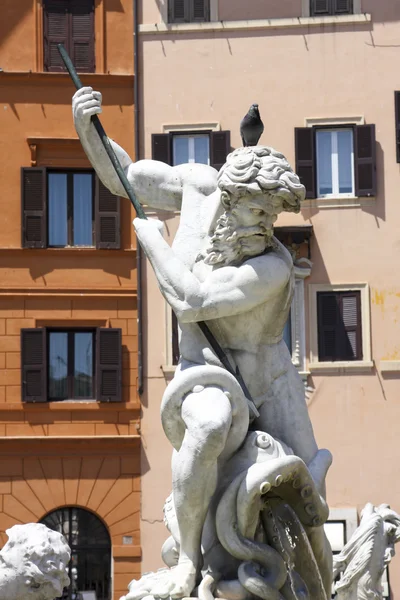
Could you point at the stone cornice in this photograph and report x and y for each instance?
(96, 80)
(67, 445)
(255, 24)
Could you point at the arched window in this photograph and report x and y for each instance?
(90, 565)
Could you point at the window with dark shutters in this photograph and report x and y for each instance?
(33, 365)
(397, 123)
(220, 145)
(70, 22)
(108, 365)
(33, 203)
(320, 8)
(66, 208)
(186, 11)
(339, 326)
(365, 160)
(107, 218)
(305, 158)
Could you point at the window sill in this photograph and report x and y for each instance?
(341, 366)
(168, 371)
(389, 366)
(170, 28)
(339, 202)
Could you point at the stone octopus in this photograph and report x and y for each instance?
(263, 532)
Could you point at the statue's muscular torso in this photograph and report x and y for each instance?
(251, 338)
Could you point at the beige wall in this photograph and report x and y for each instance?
(334, 70)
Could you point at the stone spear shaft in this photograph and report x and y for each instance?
(140, 213)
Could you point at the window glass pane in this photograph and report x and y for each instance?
(287, 333)
(324, 162)
(58, 365)
(58, 231)
(345, 149)
(202, 149)
(83, 200)
(335, 532)
(180, 149)
(83, 364)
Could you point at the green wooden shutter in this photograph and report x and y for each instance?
(107, 217)
(81, 35)
(161, 147)
(220, 146)
(350, 320)
(328, 317)
(55, 31)
(108, 365)
(365, 160)
(33, 365)
(320, 7)
(178, 11)
(342, 7)
(34, 207)
(305, 159)
(200, 10)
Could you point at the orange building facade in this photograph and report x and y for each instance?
(69, 407)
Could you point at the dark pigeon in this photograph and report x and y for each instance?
(251, 127)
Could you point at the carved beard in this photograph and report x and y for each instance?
(230, 243)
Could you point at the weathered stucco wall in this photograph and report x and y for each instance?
(340, 70)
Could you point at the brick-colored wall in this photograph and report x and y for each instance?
(80, 453)
(102, 476)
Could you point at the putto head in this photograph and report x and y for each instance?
(256, 183)
(33, 562)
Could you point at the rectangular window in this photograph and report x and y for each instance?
(70, 209)
(339, 162)
(339, 326)
(70, 22)
(206, 147)
(188, 11)
(319, 8)
(335, 162)
(71, 364)
(190, 149)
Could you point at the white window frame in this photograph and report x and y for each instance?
(191, 150)
(335, 165)
(366, 363)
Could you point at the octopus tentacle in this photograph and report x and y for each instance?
(274, 574)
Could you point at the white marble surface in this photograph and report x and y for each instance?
(226, 268)
(33, 563)
(370, 549)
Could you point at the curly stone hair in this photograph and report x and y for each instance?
(255, 169)
(43, 554)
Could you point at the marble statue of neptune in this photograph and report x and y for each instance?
(226, 268)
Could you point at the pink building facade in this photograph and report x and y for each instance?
(324, 74)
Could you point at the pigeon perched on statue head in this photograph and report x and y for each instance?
(251, 127)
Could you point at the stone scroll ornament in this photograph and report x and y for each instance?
(33, 563)
(360, 565)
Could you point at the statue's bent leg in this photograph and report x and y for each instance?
(207, 416)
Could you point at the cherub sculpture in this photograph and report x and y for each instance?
(33, 563)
